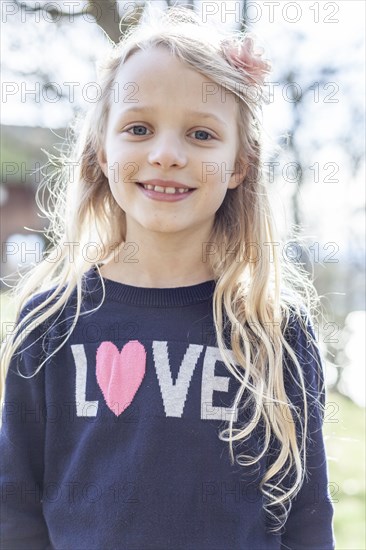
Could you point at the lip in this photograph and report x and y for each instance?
(163, 197)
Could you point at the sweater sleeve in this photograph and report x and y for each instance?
(309, 524)
(22, 438)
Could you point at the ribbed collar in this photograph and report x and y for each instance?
(150, 297)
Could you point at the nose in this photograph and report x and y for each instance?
(167, 151)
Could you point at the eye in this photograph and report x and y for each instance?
(203, 135)
(140, 131)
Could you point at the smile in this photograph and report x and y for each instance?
(169, 190)
(167, 194)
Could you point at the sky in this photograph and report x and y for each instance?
(332, 35)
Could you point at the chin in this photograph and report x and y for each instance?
(160, 227)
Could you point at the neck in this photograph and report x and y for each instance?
(160, 260)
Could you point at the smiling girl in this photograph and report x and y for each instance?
(164, 387)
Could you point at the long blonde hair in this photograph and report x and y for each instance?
(255, 297)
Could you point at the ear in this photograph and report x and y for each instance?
(102, 161)
(238, 175)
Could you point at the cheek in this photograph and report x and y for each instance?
(116, 184)
(213, 194)
(121, 173)
(216, 183)
(115, 192)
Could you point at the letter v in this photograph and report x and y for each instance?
(174, 395)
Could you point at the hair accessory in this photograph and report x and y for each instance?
(242, 56)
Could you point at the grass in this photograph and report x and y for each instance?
(344, 432)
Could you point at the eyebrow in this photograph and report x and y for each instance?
(200, 114)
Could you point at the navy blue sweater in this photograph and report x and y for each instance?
(114, 443)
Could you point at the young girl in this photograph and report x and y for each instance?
(164, 388)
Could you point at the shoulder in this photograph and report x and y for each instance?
(40, 313)
(300, 336)
(37, 301)
(53, 312)
(44, 300)
(37, 308)
(297, 320)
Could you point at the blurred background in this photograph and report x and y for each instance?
(316, 179)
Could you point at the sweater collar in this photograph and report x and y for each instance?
(150, 297)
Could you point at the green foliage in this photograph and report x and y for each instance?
(344, 431)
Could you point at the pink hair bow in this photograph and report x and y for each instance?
(242, 56)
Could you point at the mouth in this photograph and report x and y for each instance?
(165, 194)
(166, 190)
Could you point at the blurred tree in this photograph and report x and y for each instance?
(244, 18)
(187, 3)
(105, 12)
(113, 17)
(297, 96)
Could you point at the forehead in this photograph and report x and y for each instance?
(156, 77)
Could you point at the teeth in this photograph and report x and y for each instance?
(168, 190)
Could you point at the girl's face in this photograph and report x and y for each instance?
(168, 122)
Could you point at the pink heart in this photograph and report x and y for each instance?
(119, 374)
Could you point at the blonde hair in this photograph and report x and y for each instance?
(254, 297)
